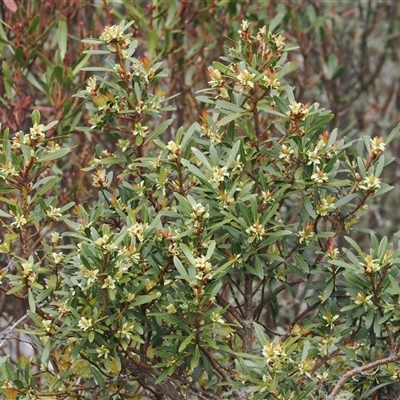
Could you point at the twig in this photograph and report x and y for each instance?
(4, 337)
(360, 370)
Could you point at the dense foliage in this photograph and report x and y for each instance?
(200, 249)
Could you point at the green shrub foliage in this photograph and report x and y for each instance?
(215, 265)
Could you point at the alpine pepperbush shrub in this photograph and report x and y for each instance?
(174, 283)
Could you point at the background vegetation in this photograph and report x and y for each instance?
(345, 59)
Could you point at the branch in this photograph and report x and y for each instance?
(147, 377)
(5, 336)
(359, 370)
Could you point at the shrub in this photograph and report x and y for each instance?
(176, 282)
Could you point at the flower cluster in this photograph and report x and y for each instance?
(174, 150)
(100, 179)
(286, 153)
(270, 81)
(140, 130)
(203, 269)
(298, 111)
(376, 145)
(137, 231)
(256, 231)
(364, 300)
(319, 176)
(218, 174)
(274, 354)
(245, 78)
(54, 213)
(370, 182)
(212, 134)
(244, 31)
(114, 37)
(306, 234)
(85, 323)
(326, 205)
(92, 86)
(371, 265)
(216, 77)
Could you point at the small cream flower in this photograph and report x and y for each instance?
(109, 283)
(137, 231)
(20, 220)
(112, 33)
(286, 153)
(47, 324)
(92, 86)
(57, 257)
(219, 174)
(363, 300)
(377, 145)
(256, 230)
(91, 275)
(140, 130)
(100, 178)
(36, 133)
(370, 183)
(103, 351)
(326, 205)
(245, 78)
(319, 176)
(271, 82)
(85, 323)
(171, 309)
(216, 77)
(306, 234)
(298, 111)
(371, 265)
(174, 150)
(54, 213)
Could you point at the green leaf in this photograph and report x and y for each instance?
(46, 184)
(195, 171)
(91, 336)
(345, 200)
(229, 118)
(4, 214)
(308, 206)
(139, 300)
(33, 25)
(162, 376)
(62, 36)
(18, 53)
(260, 334)
(186, 342)
(97, 376)
(201, 157)
(393, 134)
(46, 351)
(258, 267)
(369, 318)
(328, 291)
(194, 361)
(54, 155)
(31, 301)
(80, 64)
(181, 269)
(232, 154)
(59, 74)
(225, 105)
(302, 263)
(44, 294)
(188, 253)
(159, 130)
(35, 116)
